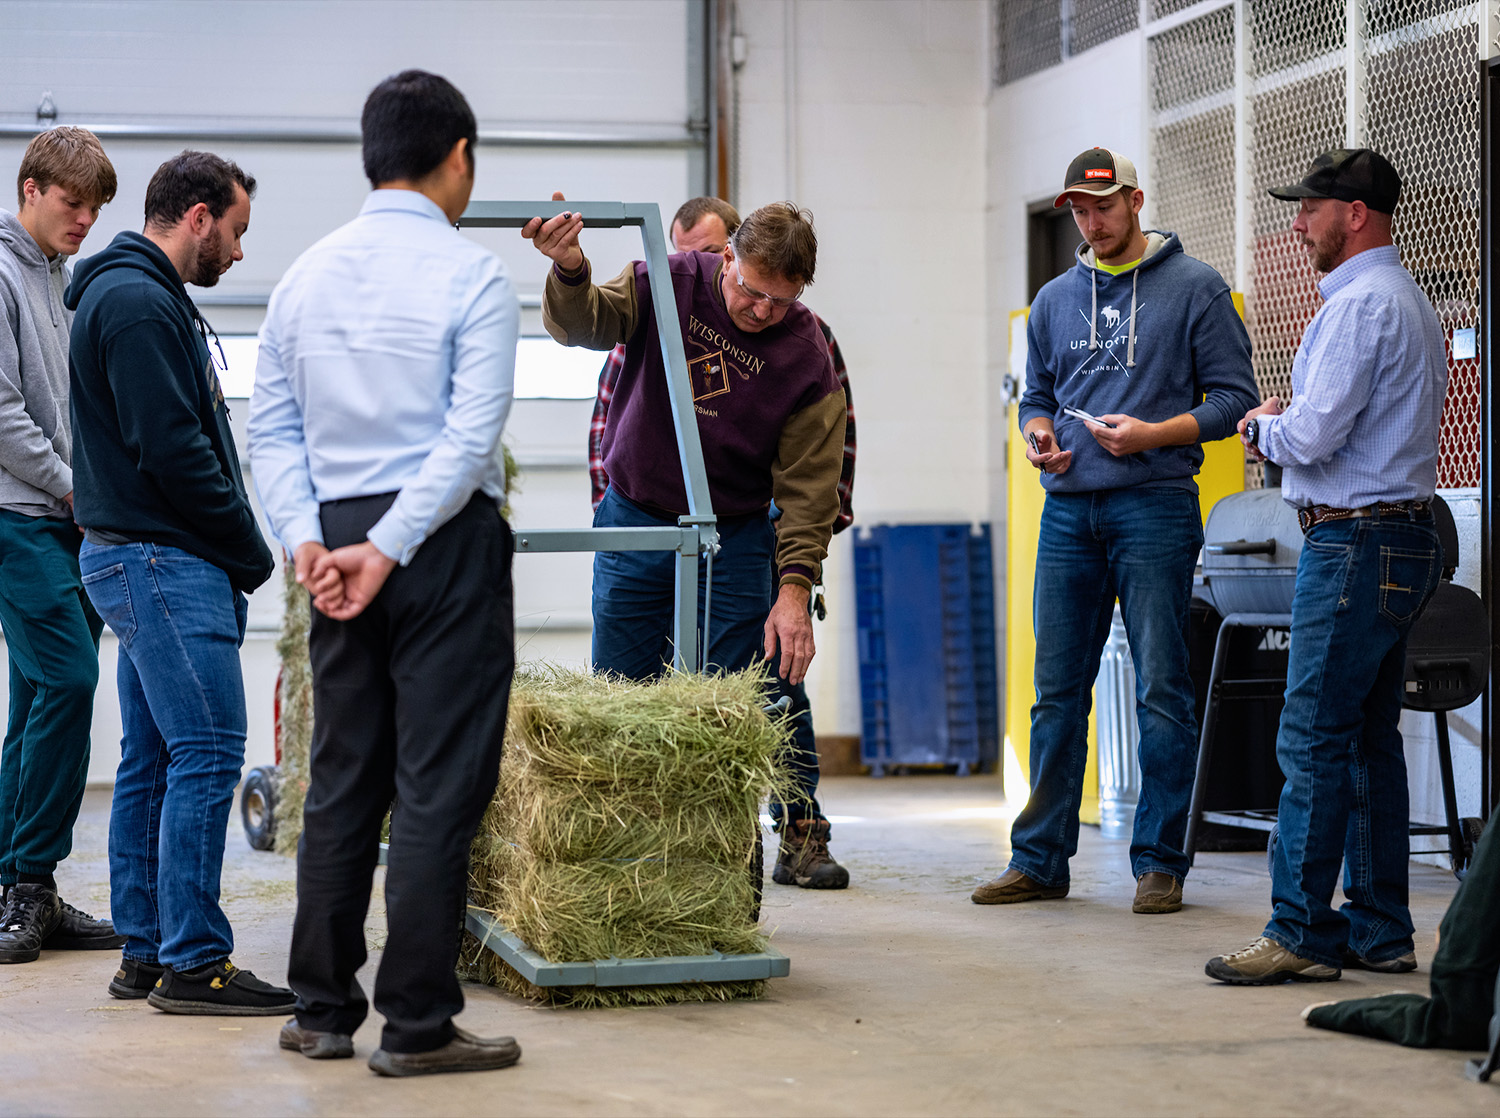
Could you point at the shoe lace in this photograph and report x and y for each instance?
(1245, 952)
(18, 911)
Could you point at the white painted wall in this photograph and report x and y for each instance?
(872, 115)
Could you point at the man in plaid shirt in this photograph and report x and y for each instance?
(704, 225)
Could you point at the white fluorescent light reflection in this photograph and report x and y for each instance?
(544, 369)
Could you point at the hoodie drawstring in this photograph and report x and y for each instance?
(1130, 345)
(1094, 312)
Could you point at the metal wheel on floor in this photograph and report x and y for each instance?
(258, 806)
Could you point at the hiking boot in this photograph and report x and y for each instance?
(135, 979)
(315, 1045)
(78, 931)
(32, 913)
(220, 990)
(1013, 886)
(1157, 892)
(1401, 964)
(804, 859)
(1265, 963)
(465, 1052)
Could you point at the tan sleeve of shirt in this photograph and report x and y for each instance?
(805, 485)
(587, 315)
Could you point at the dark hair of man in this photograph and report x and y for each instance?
(71, 158)
(694, 210)
(779, 239)
(188, 178)
(409, 125)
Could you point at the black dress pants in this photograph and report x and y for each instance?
(409, 702)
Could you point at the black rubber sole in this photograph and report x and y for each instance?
(783, 876)
(84, 943)
(1227, 974)
(30, 955)
(218, 1009)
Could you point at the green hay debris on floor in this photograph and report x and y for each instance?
(623, 827)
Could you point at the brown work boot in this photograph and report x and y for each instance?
(1013, 886)
(804, 859)
(1157, 892)
(1266, 963)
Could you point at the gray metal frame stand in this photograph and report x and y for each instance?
(696, 533)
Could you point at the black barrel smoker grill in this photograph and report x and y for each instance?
(1252, 544)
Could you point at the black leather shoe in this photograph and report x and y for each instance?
(32, 913)
(135, 979)
(465, 1052)
(78, 931)
(315, 1045)
(220, 989)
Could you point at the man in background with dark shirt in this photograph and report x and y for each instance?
(170, 550)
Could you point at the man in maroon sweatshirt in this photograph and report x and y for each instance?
(771, 415)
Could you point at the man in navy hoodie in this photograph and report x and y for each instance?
(170, 550)
(1136, 357)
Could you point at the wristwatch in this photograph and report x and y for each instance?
(1252, 432)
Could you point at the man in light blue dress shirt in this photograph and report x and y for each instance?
(386, 374)
(1358, 445)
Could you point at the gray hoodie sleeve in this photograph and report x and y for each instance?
(26, 453)
(1221, 363)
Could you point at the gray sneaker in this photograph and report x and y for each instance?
(1401, 964)
(1266, 963)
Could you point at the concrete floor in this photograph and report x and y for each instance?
(904, 998)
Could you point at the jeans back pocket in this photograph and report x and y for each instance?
(109, 590)
(1406, 581)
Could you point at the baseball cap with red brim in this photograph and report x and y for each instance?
(1098, 171)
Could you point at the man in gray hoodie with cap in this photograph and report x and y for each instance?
(51, 631)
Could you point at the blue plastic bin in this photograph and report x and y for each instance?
(925, 599)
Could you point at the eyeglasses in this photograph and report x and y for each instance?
(210, 336)
(778, 301)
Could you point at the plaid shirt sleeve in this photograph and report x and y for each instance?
(609, 376)
(846, 473)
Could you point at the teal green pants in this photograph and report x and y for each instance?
(1458, 1013)
(52, 642)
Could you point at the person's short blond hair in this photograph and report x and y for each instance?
(69, 157)
(779, 239)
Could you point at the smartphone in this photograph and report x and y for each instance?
(1079, 413)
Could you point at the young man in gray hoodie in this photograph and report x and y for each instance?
(51, 631)
(1135, 358)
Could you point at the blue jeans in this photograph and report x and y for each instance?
(634, 593)
(1360, 585)
(1139, 545)
(182, 704)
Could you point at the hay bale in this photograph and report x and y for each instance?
(294, 735)
(623, 826)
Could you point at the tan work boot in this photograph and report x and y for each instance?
(1266, 963)
(1013, 886)
(1157, 892)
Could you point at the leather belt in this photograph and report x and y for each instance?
(1318, 514)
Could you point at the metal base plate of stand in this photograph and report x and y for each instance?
(661, 970)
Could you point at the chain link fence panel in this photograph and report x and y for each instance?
(1415, 98)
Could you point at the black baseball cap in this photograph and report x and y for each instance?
(1349, 175)
(1097, 171)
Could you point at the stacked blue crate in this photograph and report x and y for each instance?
(925, 599)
